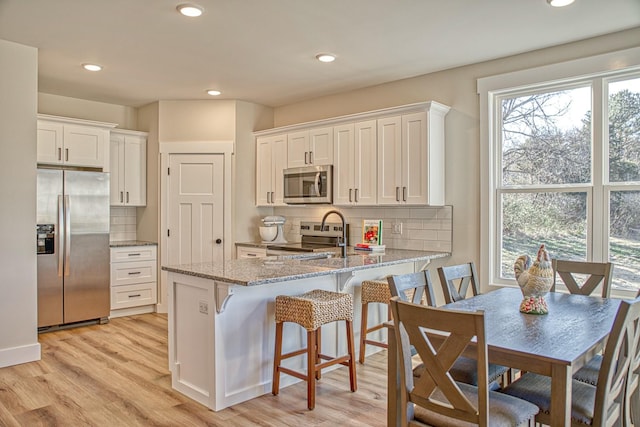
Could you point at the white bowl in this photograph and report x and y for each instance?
(268, 234)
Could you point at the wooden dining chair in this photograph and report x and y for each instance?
(632, 393)
(420, 287)
(583, 278)
(435, 398)
(456, 281)
(596, 273)
(601, 405)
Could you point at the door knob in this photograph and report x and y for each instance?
(218, 241)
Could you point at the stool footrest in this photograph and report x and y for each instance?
(293, 373)
(332, 361)
(376, 343)
(375, 328)
(294, 353)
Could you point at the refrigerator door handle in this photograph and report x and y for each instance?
(67, 236)
(58, 235)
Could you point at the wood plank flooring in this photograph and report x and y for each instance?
(117, 375)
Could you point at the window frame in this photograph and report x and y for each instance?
(596, 72)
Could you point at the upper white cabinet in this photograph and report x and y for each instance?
(271, 160)
(73, 142)
(311, 147)
(355, 163)
(128, 158)
(411, 157)
(393, 156)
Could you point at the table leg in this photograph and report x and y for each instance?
(393, 378)
(560, 395)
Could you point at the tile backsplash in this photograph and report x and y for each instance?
(423, 228)
(123, 224)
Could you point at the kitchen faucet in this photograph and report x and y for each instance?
(343, 243)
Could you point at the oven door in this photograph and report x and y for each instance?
(308, 185)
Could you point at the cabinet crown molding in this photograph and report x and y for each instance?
(71, 120)
(432, 106)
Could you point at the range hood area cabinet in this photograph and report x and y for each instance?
(388, 157)
(271, 160)
(63, 141)
(128, 159)
(313, 147)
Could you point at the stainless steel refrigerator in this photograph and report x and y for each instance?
(73, 246)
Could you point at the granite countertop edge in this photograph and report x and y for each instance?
(289, 268)
(125, 243)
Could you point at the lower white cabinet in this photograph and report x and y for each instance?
(250, 252)
(134, 280)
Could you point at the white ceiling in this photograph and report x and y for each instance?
(263, 50)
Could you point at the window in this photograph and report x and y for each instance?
(564, 170)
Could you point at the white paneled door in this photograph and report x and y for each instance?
(195, 208)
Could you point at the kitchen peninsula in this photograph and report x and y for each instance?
(221, 316)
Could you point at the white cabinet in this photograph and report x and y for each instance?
(128, 159)
(73, 142)
(313, 147)
(411, 158)
(393, 156)
(271, 160)
(250, 252)
(355, 163)
(134, 278)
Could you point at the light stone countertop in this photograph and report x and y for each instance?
(260, 271)
(125, 243)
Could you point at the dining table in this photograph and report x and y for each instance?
(556, 344)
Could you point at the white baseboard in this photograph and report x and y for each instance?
(17, 355)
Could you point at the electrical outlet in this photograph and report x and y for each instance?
(204, 307)
(397, 228)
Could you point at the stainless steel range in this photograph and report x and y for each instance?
(314, 239)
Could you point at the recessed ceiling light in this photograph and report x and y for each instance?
(190, 10)
(92, 67)
(560, 3)
(213, 92)
(325, 57)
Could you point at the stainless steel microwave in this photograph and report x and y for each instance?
(307, 185)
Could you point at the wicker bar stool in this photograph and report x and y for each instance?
(311, 310)
(373, 291)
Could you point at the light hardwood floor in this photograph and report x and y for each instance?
(117, 375)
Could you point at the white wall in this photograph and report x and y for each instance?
(18, 277)
(56, 105)
(457, 89)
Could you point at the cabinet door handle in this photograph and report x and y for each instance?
(404, 194)
(251, 254)
(268, 197)
(135, 296)
(121, 197)
(66, 154)
(310, 157)
(356, 193)
(134, 254)
(132, 273)
(397, 194)
(127, 197)
(306, 153)
(272, 200)
(59, 153)
(350, 190)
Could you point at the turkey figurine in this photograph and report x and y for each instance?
(534, 280)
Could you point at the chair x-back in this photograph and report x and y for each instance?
(435, 398)
(456, 280)
(597, 274)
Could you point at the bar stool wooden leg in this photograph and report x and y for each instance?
(352, 354)
(318, 351)
(312, 354)
(363, 331)
(277, 359)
